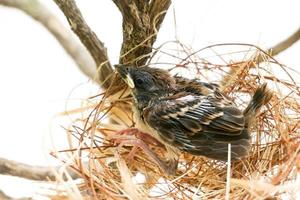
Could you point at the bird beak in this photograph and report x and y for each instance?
(124, 72)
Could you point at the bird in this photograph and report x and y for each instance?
(188, 115)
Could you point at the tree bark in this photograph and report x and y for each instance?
(13, 168)
(141, 22)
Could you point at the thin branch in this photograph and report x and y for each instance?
(141, 22)
(233, 73)
(13, 168)
(285, 44)
(88, 38)
(282, 46)
(73, 47)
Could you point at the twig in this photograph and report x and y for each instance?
(233, 74)
(13, 168)
(41, 14)
(285, 44)
(281, 46)
(88, 38)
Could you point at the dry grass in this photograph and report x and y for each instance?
(271, 170)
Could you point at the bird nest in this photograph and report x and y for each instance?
(270, 171)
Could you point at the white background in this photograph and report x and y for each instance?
(38, 80)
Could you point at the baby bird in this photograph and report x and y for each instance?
(190, 115)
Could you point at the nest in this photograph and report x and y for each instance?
(269, 172)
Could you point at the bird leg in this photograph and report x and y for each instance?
(134, 133)
(138, 139)
(169, 167)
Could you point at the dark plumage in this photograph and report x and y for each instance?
(189, 115)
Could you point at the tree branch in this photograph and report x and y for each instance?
(141, 22)
(158, 10)
(3, 196)
(281, 46)
(88, 38)
(285, 44)
(73, 47)
(234, 72)
(13, 168)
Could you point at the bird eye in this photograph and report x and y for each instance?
(139, 81)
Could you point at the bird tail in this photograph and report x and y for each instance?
(261, 97)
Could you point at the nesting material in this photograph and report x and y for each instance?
(270, 171)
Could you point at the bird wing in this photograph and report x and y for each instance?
(184, 119)
(196, 86)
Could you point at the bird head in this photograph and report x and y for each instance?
(146, 83)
